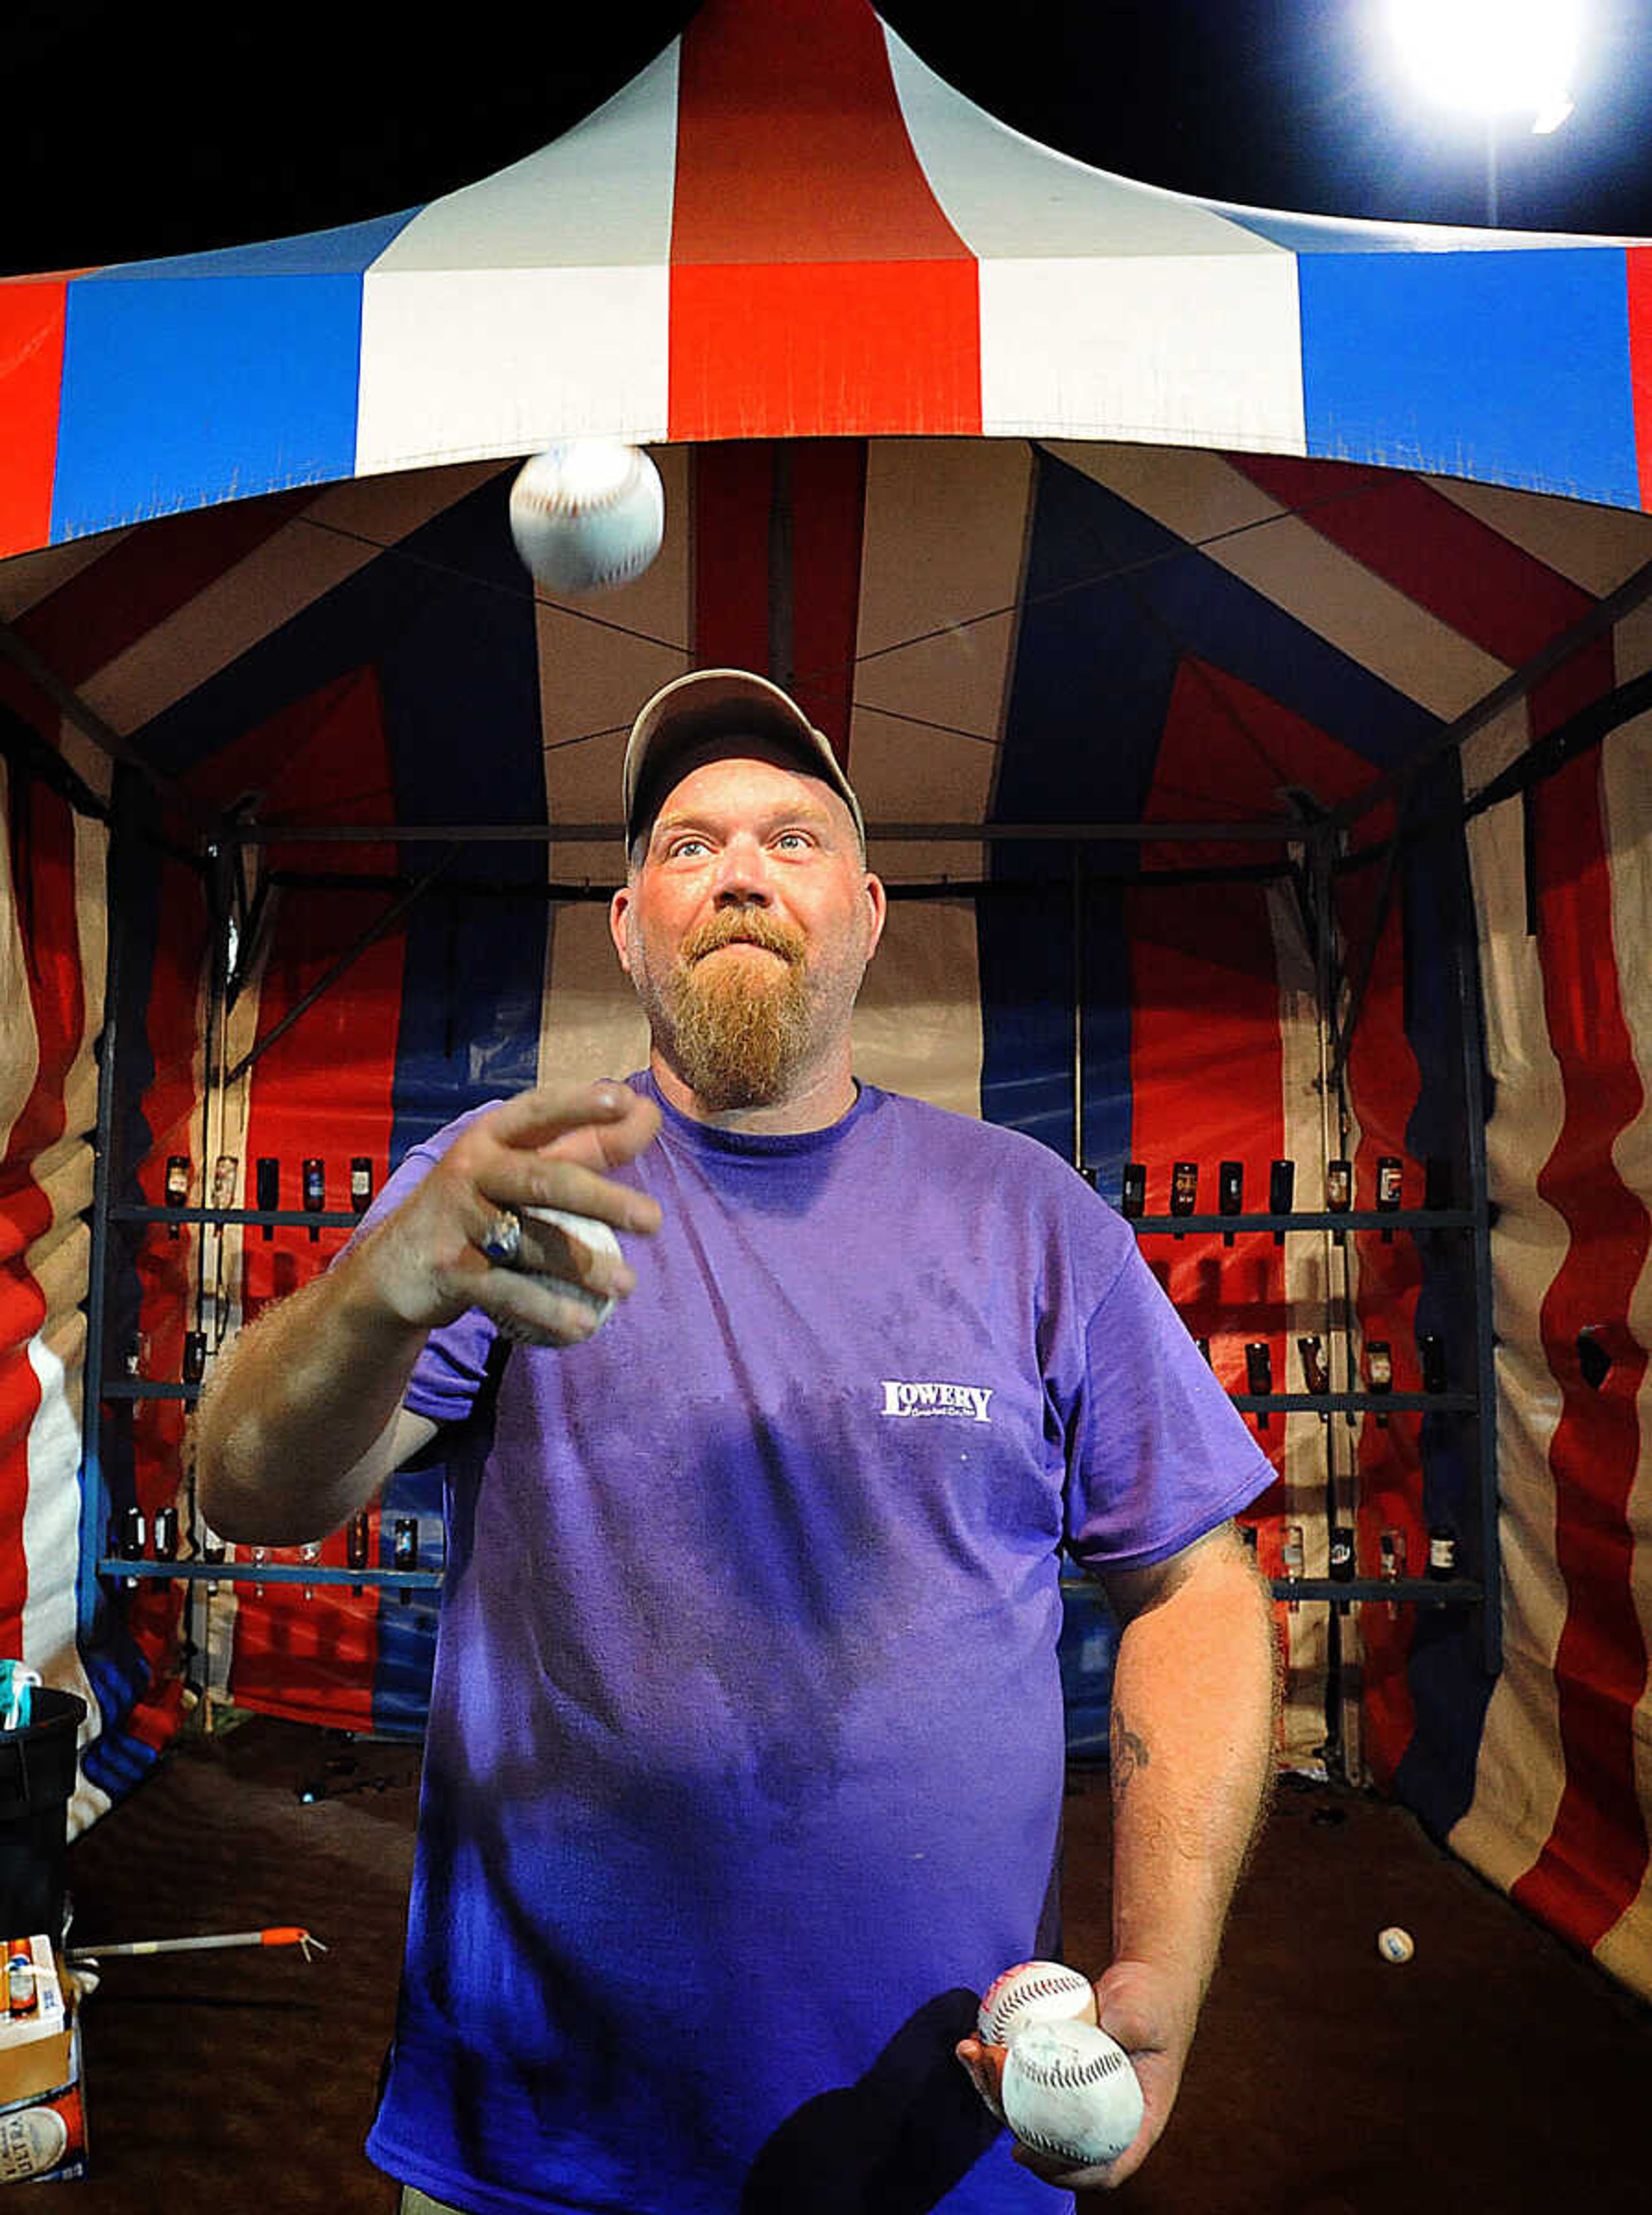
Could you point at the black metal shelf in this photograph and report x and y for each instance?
(1421, 1591)
(1325, 1404)
(1320, 1220)
(318, 1218)
(268, 1573)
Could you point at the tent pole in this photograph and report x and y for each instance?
(1076, 879)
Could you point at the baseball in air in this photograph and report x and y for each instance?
(586, 1230)
(587, 515)
(1069, 2092)
(1033, 1991)
(1395, 1944)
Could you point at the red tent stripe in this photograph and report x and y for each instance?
(750, 81)
(829, 499)
(314, 1659)
(1431, 549)
(31, 318)
(42, 833)
(1639, 262)
(731, 492)
(844, 313)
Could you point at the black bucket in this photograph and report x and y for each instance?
(37, 1781)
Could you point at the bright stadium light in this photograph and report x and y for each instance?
(1493, 57)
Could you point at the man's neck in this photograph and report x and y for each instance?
(810, 1104)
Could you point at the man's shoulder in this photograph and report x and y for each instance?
(995, 1148)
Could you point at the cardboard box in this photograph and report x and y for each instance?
(42, 2111)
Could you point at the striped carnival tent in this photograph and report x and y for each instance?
(1238, 626)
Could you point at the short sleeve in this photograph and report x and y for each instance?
(1159, 1455)
(452, 1365)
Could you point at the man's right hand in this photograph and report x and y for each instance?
(547, 1148)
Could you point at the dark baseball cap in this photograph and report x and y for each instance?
(708, 704)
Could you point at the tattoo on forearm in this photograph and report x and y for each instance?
(1127, 1751)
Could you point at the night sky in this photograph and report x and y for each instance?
(137, 132)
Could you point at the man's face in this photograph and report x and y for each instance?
(746, 927)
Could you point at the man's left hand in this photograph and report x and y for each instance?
(1152, 2013)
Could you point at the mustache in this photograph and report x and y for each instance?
(743, 927)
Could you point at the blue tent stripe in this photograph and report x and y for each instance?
(178, 392)
(1512, 367)
(346, 250)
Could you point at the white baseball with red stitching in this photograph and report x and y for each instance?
(587, 515)
(1033, 1991)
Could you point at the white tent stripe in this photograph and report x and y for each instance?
(1520, 1770)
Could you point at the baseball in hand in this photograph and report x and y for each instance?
(1069, 2092)
(1033, 1991)
(589, 1230)
(587, 515)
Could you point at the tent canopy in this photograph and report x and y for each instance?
(693, 263)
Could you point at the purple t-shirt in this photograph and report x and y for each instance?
(744, 1766)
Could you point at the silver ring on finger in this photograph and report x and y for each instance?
(503, 1240)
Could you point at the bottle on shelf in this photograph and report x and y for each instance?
(1341, 1561)
(405, 1550)
(1390, 1174)
(1259, 1373)
(177, 1186)
(128, 1538)
(269, 1188)
(1184, 1188)
(1442, 1553)
(194, 1356)
(225, 1171)
(1315, 1376)
(1282, 1192)
(356, 1543)
(361, 1182)
(315, 1191)
(1432, 1348)
(1229, 1193)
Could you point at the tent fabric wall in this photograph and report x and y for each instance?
(52, 919)
(1059, 631)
